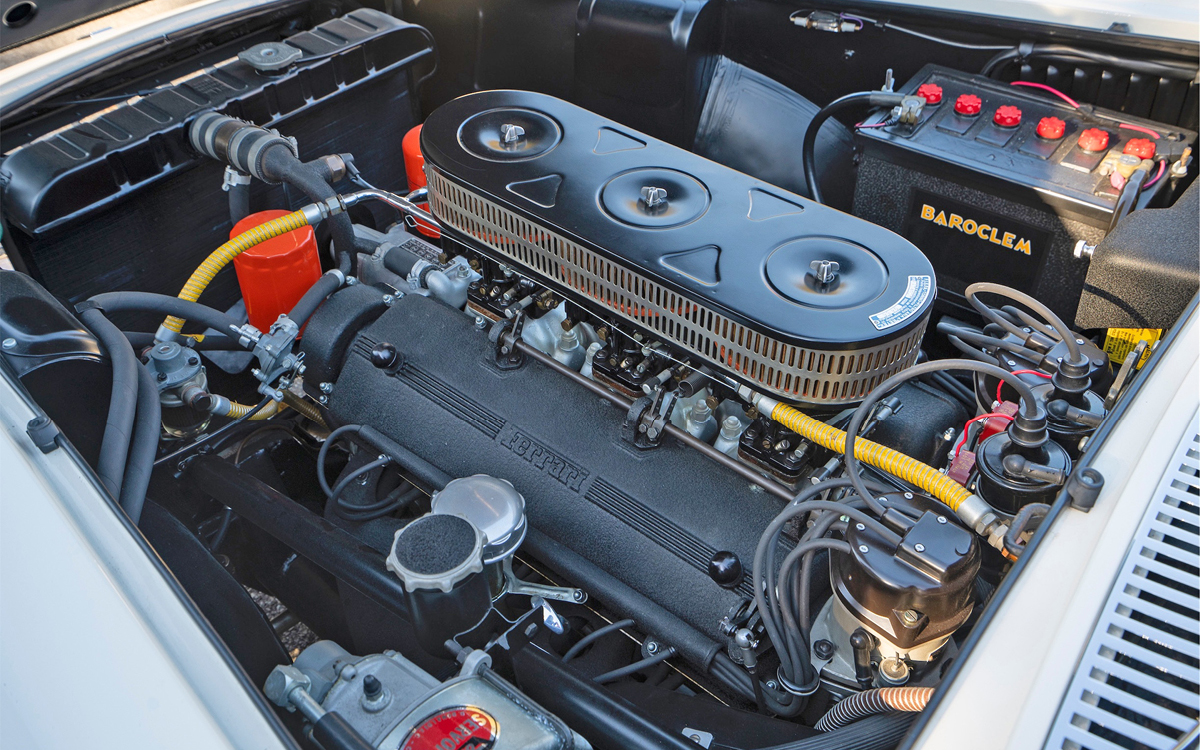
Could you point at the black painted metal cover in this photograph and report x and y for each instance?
(753, 225)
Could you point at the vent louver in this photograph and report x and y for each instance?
(1138, 684)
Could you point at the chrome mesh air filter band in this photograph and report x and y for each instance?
(788, 296)
(791, 372)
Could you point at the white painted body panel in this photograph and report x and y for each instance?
(96, 649)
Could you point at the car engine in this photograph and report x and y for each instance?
(535, 424)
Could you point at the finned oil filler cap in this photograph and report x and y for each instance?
(493, 505)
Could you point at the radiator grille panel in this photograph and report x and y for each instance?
(1137, 684)
(792, 372)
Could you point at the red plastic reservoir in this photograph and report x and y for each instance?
(275, 274)
(414, 169)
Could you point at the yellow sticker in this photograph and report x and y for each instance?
(1120, 342)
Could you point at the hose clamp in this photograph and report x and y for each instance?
(233, 178)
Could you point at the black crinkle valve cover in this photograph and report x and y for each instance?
(650, 519)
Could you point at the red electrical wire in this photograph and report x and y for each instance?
(963, 439)
(1162, 167)
(1000, 385)
(1052, 90)
(1140, 129)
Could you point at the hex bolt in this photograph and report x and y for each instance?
(823, 649)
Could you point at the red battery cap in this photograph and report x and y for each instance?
(1007, 116)
(1142, 148)
(968, 105)
(1051, 128)
(930, 92)
(1093, 139)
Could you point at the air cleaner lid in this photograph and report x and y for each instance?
(654, 198)
(509, 134)
(493, 505)
(827, 273)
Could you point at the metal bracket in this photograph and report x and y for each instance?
(514, 585)
(505, 334)
(647, 419)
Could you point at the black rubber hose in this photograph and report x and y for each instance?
(122, 404)
(881, 732)
(280, 164)
(418, 467)
(147, 430)
(808, 152)
(141, 340)
(112, 302)
(594, 636)
(307, 305)
(239, 202)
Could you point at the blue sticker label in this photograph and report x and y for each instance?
(915, 296)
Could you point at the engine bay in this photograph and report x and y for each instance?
(547, 416)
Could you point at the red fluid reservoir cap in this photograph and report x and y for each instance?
(1142, 148)
(968, 104)
(1007, 116)
(930, 92)
(1093, 139)
(1051, 128)
(275, 274)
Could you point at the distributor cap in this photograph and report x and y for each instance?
(919, 590)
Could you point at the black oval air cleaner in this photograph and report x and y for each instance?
(827, 273)
(654, 198)
(509, 134)
(783, 294)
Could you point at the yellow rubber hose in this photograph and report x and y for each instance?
(237, 411)
(893, 462)
(224, 254)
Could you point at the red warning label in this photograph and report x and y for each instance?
(458, 728)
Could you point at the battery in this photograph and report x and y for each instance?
(1001, 183)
